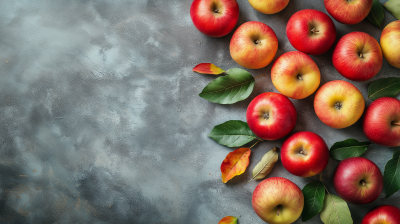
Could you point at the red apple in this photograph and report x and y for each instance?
(295, 75)
(271, 116)
(358, 180)
(348, 11)
(269, 6)
(339, 104)
(277, 200)
(390, 43)
(304, 154)
(357, 56)
(382, 122)
(215, 18)
(311, 31)
(253, 45)
(382, 214)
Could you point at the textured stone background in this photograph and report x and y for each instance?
(101, 121)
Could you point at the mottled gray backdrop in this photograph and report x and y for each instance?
(101, 122)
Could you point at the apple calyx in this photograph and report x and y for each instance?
(338, 106)
(257, 42)
(299, 77)
(313, 30)
(279, 207)
(266, 116)
(302, 152)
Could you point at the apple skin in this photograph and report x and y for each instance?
(253, 45)
(311, 31)
(212, 23)
(271, 116)
(274, 192)
(381, 123)
(269, 6)
(304, 154)
(339, 104)
(390, 43)
(348, 12)
(295, 75)
(382, 214)
(357, 56)
(349, 177)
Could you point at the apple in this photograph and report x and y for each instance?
(338, 104)
(269, 6)
(382, 214)
(295, 75)
(390, 43)
(215, 18)
(357, 56)
(271, 116)
(253, 45)
(311, 31)
(277, 200)
(304, 154)
(348, 11)
(358, 180)
(381, 122)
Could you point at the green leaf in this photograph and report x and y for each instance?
(348, 148)
(232, 134)
(264, 167)
(376, 14)
(393, 6)
(391, 175)
(229, 89)
(335, 211)
(314, 194)
(384, 87)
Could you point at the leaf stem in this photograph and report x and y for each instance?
(254, 144)
(258, 76)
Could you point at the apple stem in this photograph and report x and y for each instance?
(257, 42)
(363, 183)
(303, 153)
(361, 55)
(396, 123)
(313, 30)
(299, 77)
(279, 206)
(216, 10)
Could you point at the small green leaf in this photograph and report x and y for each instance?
(391, 175)
(229, 89)
(232, 134)
(348, 148)
(376, 14)
(335, 211)
(393, 6)
(314, 194)
(384, 87)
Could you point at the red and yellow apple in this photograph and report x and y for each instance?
(271, 116)
(390, 43)
(215, 18)
(357, 56)
(383, 214)
(295, 75)
(381, 122)
(277, 200)
(348, 11)
(304, 154)
(358, 180)
(339, 104)
(253, 45)
(311, 31)
(269, 6)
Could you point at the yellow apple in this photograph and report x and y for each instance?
(269, 6)
(339, 104)
(295, 75)
(390, 43)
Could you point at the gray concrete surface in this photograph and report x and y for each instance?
(101, 122)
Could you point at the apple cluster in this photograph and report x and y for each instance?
(339, 104)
